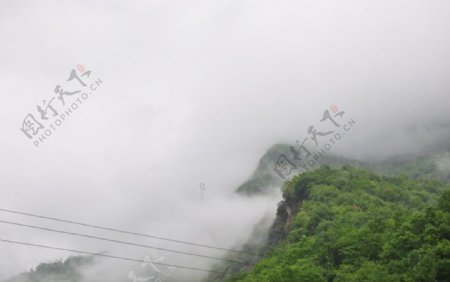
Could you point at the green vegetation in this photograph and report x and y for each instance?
(334, 225)
(414, 167)
(264, 180)
(352, 225)
(58, 271)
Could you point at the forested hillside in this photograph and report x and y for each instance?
(337, 224)
(352, 225)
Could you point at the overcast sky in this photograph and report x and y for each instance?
(195, 92)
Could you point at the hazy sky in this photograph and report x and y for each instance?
(195, 92)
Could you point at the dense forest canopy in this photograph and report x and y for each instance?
(352, 225)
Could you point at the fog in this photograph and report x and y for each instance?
(196, 92)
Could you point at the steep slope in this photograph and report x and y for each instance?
(352, 225)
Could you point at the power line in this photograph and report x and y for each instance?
(117, 241)
(125, 232)
(107, 256)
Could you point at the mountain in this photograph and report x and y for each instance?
(334, 222)
(434, 164)
(349, 224)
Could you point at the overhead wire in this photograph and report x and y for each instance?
(106, 255)
(117, 241)
(124, 231)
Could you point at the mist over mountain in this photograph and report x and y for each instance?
(185, 120)
(267, 234)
